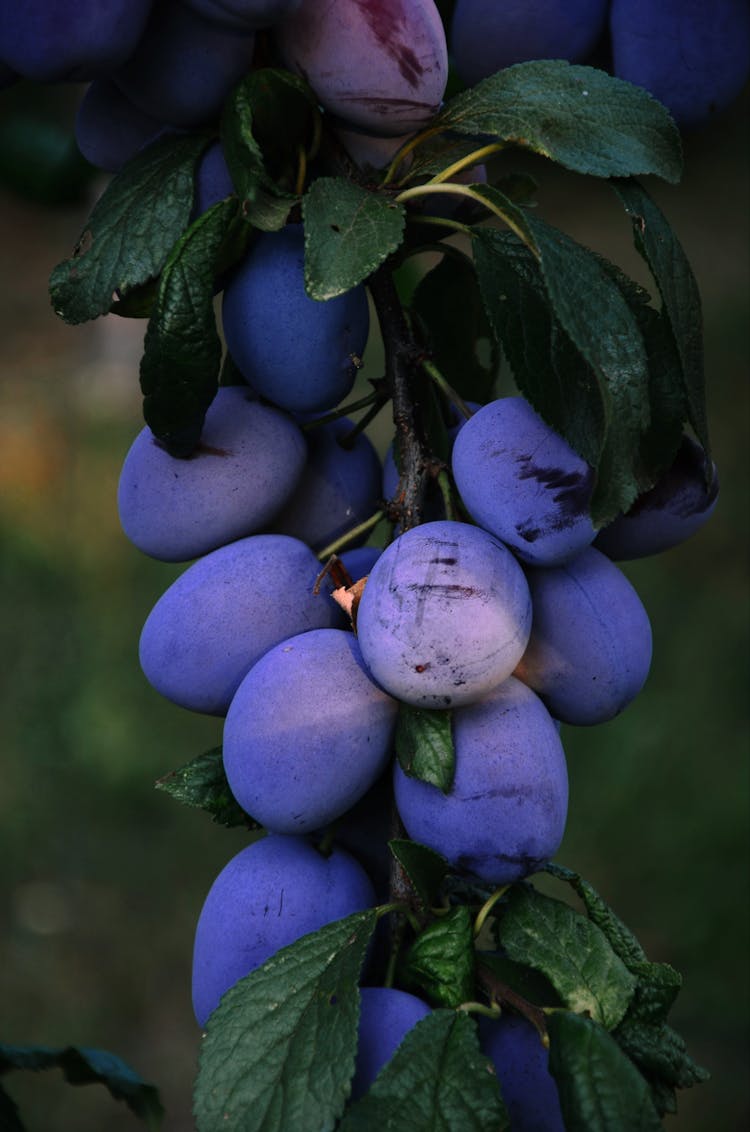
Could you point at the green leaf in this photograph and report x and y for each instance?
(599, 1087)
(572, 952)
(424, 867)
(449, 305)
(279, 1049)
(441, 959)
(182, 350)
(579, 117)
(662, 251)
(10, 1118)
(522, 980)
(131, 230)
(424, 745)
(659, 1052)
(349, 231)
(437, 1081)
(83, 1066)
(202, 783)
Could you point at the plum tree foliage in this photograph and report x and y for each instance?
(392, 711)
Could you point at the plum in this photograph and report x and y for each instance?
(385, 1018)
(590, 647)
(486, 36)
(504, 816)
(184, 66)
(75, 40)
(245, 468)
(694, 57)
(521, 1062)
(241, 15)
(338, 489)
(110, 129)
(360, 561)
(213, 181)
(381, 65)
(524, 483)
(677, 506)
(269, 895)
(445, 615)
(307, 733)
(300, 354)
(224, 612)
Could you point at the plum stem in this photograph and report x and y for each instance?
(407, 148)
(467, 161)
(455, 398)
(352, 533)
(487, 907)
(499, 992)
(377, 397)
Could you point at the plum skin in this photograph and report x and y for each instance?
(524, 483)
(307, 733)
(224, 612)
(244, 470)
(590, 647)
(529, 1090)
(269, 895)
(445, 615)
(386, 1016)
(299, 353)
(486, 36)
(110, 129)
(504, 815)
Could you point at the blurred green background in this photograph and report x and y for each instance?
(102, 878)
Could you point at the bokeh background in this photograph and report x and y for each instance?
(102, 878)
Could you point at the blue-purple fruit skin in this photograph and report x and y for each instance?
(307, 733)
(184, 66)
(445, 615)
(244, 470)
(360, 560)
(691, 55)
(521, 1062)
(76, 40)
(380, 65)
(213, 181)
(385, 1018)
(504, 816)
(524, 483)
(299, 353)
(110, 129)
(224, 612)
(675, 508)
(486, 36)
(243, 15)
(590, 647)
(338, 489)
(268, 896)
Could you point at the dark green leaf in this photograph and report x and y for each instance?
(437, 1081)
(279, 1049)
(182, 350)
(424, 745)
(579, 117)
(131, 230)
(449, 305)
(83, 1066)
(662, 251)
(600, 1089)
(570, 950)
(659, 1052)
(10, 1118)
(138, 302)
(522, 980)
(202, 783)
(441, 960)
(424, 867)
(349, 231)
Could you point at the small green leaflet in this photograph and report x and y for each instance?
(572, 952)
(279, 1049)
(182, 351)
(437, 1081)
(599, 1087)
(202, 783)
(131, 230)
(83, 1066)
(424, 745)
(662, 251)
(424, 867)
(440, 962)
(659, 1052)
(349, 231)
(578, 116)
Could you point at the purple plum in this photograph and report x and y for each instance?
(268, 896)
(504, 815)
(307, 733)
(385, 1018)
(529, 1091)
(241, 15)
(110, 129)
